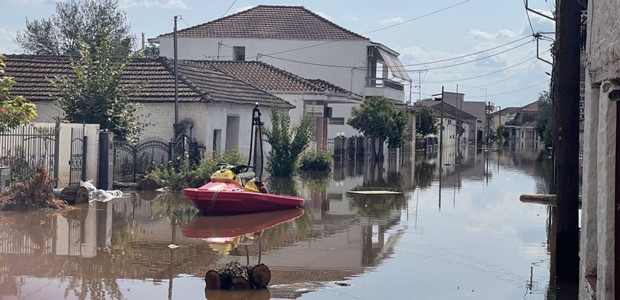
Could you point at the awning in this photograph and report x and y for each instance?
(397, 68)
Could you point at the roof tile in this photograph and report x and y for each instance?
(269, 21)
(153, 76)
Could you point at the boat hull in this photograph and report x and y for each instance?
(227, 198)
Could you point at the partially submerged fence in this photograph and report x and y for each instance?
(133, 160)
(61, 148)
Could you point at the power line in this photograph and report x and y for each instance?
(379, 29)
(483, 75)
(511, 92)
(481, 58)
(471, 54)
(231, 5)
(528, 17)
(420, 17)
(428, 69)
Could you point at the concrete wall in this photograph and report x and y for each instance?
(598, 212)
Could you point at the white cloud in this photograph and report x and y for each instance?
(7, 44)
(154, 3)
(391, 21)
(353, 18)
(503, 33)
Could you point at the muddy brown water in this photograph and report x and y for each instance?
(466, 236)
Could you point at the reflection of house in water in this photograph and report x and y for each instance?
(128, 238)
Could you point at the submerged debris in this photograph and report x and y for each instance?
(234, 276)
(34, 193)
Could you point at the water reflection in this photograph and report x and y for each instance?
(486, 244)
(224, 233)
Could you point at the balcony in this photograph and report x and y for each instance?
(384, 87)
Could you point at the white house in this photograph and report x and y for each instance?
(215, 108)
(299, 41)
(308, 96)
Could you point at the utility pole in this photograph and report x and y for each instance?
(176, 81)
(566, 139)
(441, 135)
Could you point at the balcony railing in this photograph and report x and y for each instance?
(385, 83)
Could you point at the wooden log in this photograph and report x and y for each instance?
(81, 195)
(68, 194)
(240, 283)
(545, 199)
(148, 184)
(212, 279)
(260, 275)
(124, 185)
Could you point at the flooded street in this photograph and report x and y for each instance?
(462, 235)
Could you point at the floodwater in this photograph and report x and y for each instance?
(466, 236)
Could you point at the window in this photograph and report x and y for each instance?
(336, 121)
(238, 53)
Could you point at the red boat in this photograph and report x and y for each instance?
(220, 198)
(236, 189)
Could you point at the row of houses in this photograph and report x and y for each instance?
(481, 120)
(281, 57)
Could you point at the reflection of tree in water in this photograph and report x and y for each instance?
(315, 181)
(424, 174)
(376, 177)
(375, 206)
(282, 186)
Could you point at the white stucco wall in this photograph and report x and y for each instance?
(331, 56)
(160, 119)
(603, 71)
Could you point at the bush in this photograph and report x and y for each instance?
(286, 143)
(185, 175)
(315, 160)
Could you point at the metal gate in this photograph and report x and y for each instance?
(77, 163)
(25, 148)
(133, 161)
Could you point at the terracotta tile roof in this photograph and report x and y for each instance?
(269, 78)
(453, 111)
(269, 21)
(153, 76)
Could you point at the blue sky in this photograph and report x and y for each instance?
(509, 75)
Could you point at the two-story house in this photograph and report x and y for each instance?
(301, 42)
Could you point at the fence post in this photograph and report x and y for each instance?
(106, 160)
(84, 158)
(56, 152)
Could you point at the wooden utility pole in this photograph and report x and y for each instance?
(566, 138)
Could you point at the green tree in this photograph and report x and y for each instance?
(426, 121)
(286, 143)
(14, 110)
(378, 118)
(74, 22)
(544, 120)
(502, 134)
(94, 94)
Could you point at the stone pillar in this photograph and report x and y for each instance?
(588, 244)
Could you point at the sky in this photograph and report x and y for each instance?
(485, 48)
